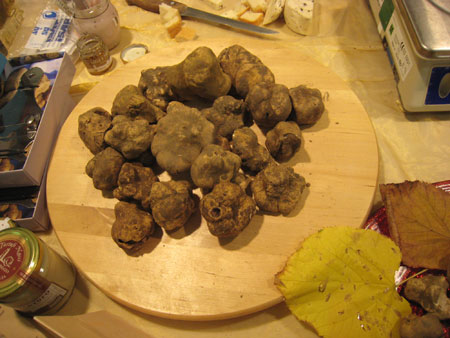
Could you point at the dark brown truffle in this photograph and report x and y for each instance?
(307, 103)
(227, 209)
(92, 126)
(269, 103)
(254, 156)
(172, 203)
(104, 168)
(132, 226)
(277, 189)
(135, 182)
(284, 140)
(131, 102)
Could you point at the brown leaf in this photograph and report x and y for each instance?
(419, 222)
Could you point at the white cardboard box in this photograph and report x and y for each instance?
(40, 219)
(59, 105)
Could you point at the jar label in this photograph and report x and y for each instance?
(46, 301)
(34, 280)
(48, 294)
(11, 258)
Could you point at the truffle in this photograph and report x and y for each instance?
(284, 140)
(154, 86)
(277, 189)
(430, 292)
(227, 209)
(132, 226)
(135, 182)
(307, 103)
(104, 168)
(131, 102)
(92, 126)
(245, 69)
(198, 75)
(180, 137)
(426, 326)
(269, 103)
(172, 204)
(254, 156)
(227, 115)
(214, 165)
(131, 137)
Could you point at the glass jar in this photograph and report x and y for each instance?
(100, 18)
(34, 279)
(94, 54)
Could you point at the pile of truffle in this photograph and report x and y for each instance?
(150, 130)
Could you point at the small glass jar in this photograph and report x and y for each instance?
(94, 54)
(34, 279)
(100, 18)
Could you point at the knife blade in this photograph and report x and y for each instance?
(186, 11)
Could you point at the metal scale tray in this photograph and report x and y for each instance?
(417, 38)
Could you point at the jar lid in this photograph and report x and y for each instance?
(19, 257)
(133, 52)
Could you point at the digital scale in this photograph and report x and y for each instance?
(416, 35)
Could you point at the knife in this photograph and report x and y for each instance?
(185, 11)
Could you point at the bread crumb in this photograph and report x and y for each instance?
(171, 19)
(230, 14)
(236, 12)
(186, 34)
(256, 5)
(242, 9)
(252, 17)
(216, 4)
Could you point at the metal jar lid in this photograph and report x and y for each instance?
(133, 52)
(19, 257)
(427, 23)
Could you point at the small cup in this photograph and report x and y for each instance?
(94, 53)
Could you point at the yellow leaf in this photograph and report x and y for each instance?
(341, 281)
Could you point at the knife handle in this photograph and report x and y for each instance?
(153, 5)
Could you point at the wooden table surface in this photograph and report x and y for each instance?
(192, 275)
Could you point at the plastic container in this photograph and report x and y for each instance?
(34, 279)
(100, 18)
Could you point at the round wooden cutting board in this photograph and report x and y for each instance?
(191, 274)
